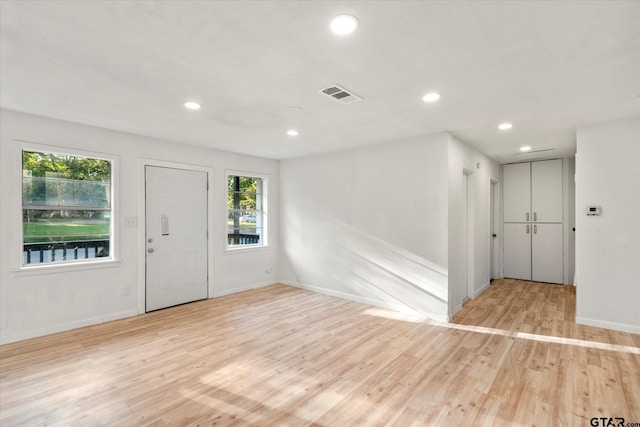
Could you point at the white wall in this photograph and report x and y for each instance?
(369, 224)
(481, 170)
(33, 304)
(608, 247)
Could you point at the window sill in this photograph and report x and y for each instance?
(245, 249)
(35, 270)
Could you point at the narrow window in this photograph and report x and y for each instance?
(66, 208)
(246, 211)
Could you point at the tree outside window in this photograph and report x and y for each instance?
(66, 207)
(246, 214)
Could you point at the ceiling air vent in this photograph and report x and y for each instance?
(532, 151)
(535, 155)
(341, 94)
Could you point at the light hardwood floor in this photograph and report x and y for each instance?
(286, 356)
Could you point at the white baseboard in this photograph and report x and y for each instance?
(243, 288)
(366, 300)
(20, 336)
(458, 307)
(623, 327)
(351, 297)
(455, 310)
(482, 289)
(6, 338)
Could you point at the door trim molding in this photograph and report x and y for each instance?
(469, 183)
(142, 272)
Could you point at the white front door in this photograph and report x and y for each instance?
(176, 236)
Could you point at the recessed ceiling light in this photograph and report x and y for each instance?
(192, 105)
(525, 148)
(432, 97)
(505, 126)
(292, 132)
(344, 25)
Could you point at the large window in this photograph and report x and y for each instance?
(66, 208)
(246, 211)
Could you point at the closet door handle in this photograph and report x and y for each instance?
(535, 216)
(527, 216)
(527, 228)
(535, 229)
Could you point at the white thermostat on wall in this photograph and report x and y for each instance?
(594, 210)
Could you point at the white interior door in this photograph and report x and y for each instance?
(547, 248)
(176, 236)
(546, 191)
(492, 231)
(517, 251)
(464, 285)
(516, 192)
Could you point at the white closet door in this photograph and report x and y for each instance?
(517, 192)
(517, 251)
(547, 253)
(546, 191)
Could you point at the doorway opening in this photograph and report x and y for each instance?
(467, 286)
(494, 225)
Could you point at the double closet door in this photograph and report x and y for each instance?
(533, 229)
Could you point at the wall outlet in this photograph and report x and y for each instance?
(131, 221)
(268, 269)
(126, 290)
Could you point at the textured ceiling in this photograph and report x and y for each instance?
(257, 67)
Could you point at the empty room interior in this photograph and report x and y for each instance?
(319, 213)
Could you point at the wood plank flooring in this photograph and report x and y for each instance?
(285, 356)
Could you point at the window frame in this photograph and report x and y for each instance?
(114, 236)
(264, 211)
